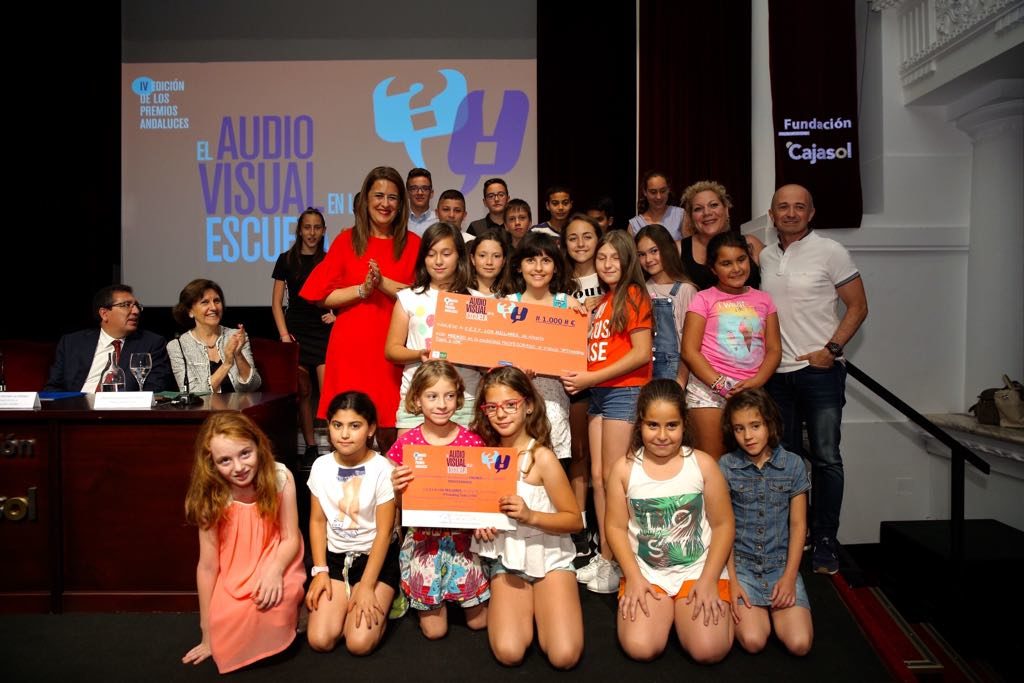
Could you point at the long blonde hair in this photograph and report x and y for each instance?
(631, 289)
(209, 494)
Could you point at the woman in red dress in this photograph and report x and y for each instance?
(359, 278)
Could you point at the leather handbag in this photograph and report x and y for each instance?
(1009, 402)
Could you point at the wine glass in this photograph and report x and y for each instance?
(140, 364)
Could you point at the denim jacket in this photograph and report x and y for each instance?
(760, 502)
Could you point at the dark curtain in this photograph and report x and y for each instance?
(694, 117)
(814, 89)
(586, 122)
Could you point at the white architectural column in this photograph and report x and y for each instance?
(995, 264)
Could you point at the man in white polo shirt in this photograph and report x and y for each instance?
(807, 275)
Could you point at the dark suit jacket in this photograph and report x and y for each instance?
(75, 352)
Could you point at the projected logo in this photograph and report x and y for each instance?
(472, 151)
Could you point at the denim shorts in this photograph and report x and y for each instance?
(614, 403)
(759, 586)
(700, 395)
(497, 567)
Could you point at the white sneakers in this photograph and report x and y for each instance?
(600, 575)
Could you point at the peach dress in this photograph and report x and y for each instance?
(241, 634)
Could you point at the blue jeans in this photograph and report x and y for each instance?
(666, 337)
(815, 397)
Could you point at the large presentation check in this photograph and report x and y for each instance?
(458, 487)
(475, 330)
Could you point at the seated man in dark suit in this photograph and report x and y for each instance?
(82, 356)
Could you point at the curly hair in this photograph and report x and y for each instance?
(209, 494)
(427, 375)
(705, 186)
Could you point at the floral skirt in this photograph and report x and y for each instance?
(438, 566)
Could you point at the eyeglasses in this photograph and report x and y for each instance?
(509, 407)
(127, 305)
(495, 195)
(418, 189)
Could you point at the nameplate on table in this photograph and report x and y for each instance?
(19, 400)
(123, 400)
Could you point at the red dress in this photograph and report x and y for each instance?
(355, 352)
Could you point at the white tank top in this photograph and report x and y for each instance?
(668, 527)
(528, 549)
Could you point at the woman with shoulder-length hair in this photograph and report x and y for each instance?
(360, 278)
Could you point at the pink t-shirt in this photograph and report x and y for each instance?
(414, 437)
(734, 329)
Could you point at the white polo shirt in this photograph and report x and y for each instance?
(802, 280)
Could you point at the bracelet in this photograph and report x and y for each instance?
(361, 293)
(318, 570)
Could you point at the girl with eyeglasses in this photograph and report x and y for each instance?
(532, 577)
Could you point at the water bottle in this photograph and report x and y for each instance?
(113, 376)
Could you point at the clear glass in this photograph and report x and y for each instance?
(140, 365)
(113, 376)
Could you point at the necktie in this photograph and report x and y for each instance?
(117, 360)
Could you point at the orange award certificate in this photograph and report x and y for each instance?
(476, 330)
(458, 487)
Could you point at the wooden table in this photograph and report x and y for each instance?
(94, 502)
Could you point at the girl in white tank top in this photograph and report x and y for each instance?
(670, 525)
(532, 577)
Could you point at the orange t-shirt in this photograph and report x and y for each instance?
(604, 347)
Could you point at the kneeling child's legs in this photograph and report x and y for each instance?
(510, 618)
(556, 606)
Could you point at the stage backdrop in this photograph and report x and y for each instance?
(219, 158)
(814, 105)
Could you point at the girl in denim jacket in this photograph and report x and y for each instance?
(768, 486)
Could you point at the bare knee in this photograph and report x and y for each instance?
(360, 647)
(564, 657)
(434, 629)
(321, 642)
(752, 642)
(798, 644)
(476, 622)
(640, 649)
(508, 654)
(709, 653)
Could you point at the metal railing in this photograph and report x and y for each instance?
(960, 455)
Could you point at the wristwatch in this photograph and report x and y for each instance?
(318, 570)
(835, 349)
